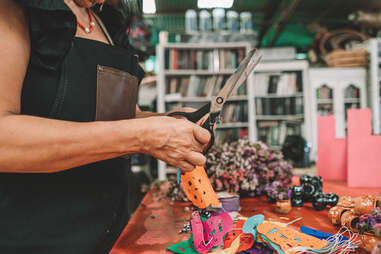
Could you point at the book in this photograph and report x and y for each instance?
(192, 58)
(221, 56)
(199, 60)
(240, 55)
(261, 84)
(274, 133)
(174, 85)
(273, 84)
(193, 86)
(210, 86)
(174, 59)
(219, 84)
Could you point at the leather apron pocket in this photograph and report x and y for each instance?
(116, 94)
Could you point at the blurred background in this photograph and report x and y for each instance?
(320, 58)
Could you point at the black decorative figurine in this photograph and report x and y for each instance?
(310, 190)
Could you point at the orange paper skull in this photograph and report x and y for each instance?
(198, 189)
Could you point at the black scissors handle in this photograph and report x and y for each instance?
(193, 116)
(196, 116)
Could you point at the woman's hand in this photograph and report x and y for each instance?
(178, 142)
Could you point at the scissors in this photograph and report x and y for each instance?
(215, 106)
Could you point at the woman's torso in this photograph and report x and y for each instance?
(80, 210)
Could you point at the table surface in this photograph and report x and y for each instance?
(156, 223)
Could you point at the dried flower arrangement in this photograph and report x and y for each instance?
(370, 223)
(249, 169)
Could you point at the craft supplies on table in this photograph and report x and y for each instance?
(146, 235)
(218, 234)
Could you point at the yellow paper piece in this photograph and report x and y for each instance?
(232, 249)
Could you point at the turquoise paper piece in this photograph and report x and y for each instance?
(250, 225)
(272, 245)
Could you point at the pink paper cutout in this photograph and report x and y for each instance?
(207, 234)
(332, 152)
(364, 150)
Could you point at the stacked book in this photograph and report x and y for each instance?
(203, 59)
(278, 94)
(197, 86)
(273, 133)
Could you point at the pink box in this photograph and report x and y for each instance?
(332, 152)
(364, 150)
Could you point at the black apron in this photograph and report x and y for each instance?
(81, 210)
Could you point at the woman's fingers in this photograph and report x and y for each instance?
(201, 135)
(196, 159)
(202, 120)
(186, 166)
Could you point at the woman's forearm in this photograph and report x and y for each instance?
(145, 114)
(33, 145)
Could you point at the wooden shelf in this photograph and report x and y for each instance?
(205, 46)
(280, 96)
(202, 99)
(232, 125)
(280, 117)
(351, 100)
(324, 101)
(197, 72)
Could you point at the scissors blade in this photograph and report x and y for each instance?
(236, 80)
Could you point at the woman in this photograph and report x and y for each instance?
(67, 115)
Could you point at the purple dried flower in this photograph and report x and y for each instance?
(371, 221)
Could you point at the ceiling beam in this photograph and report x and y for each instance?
(271, 9)
(283, 20)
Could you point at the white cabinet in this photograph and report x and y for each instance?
(333, 91)
(374, 48)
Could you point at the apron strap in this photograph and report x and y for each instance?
(103, 27)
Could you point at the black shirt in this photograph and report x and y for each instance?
(84, 209)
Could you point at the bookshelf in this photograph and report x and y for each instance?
(190, 75)
(280, 101)
(333, 91)
(374, 48)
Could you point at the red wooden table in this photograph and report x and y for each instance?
(157, 221)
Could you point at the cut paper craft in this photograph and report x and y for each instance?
(287, 238)
(332, 152)
(364, 153)
(259, 248)
(198, 189)
(234, 248)
(184, 247)
(251, 224)
(246, 240)
(272, 245)
(210, 233)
